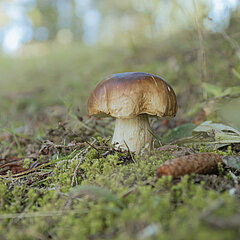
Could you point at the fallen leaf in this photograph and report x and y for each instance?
(232, 161)
(217, 132)
(178, 132)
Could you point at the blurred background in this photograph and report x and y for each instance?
(53, 52)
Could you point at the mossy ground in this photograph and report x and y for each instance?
(95, 192)
(86, 189)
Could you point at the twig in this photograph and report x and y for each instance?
(75, 171)
(40, 214)
(80, 161)
(91, 144)
(129, 151)
(28, 171)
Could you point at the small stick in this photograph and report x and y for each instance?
(75, 172)
(129, 151)
(203, 163)
(91, 145)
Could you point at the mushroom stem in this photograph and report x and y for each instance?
(133, 132)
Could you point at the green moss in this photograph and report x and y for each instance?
(139, 202)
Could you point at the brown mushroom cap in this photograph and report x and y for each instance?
(126, 95)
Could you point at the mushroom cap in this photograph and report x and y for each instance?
(126, 95)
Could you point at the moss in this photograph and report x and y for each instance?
(175, 208)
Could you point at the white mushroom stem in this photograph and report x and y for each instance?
(134, 133)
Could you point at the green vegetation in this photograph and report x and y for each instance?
(85, 189)
(127, 202)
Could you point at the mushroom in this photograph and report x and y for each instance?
(130, 97)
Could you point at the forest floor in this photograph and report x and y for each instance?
(60, 178)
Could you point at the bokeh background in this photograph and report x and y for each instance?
(53, 52)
